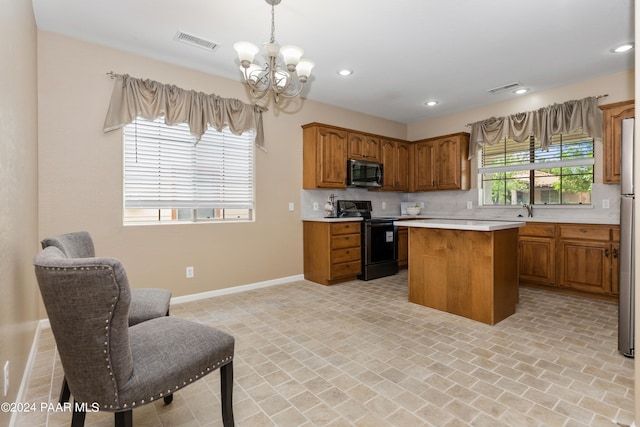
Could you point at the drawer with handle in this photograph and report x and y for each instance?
(345, 228)
(345, 241)
(344, 255)
(585, 232)
(346, 269)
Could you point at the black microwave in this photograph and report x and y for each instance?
(362, 173)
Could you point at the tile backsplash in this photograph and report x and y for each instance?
(450, 204)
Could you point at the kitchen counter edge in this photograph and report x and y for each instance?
(320, 219)
(600, 221)
(461, 224)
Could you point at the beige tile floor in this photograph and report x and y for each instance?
(359, 354)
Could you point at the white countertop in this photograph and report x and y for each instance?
(604, 221)
(321, 219)
(460, 224)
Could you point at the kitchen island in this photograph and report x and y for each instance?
(464, 267)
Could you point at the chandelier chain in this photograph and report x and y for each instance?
(273, 23)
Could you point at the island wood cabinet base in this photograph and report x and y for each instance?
(468, 273)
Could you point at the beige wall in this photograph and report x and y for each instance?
(81, 175)
(619, 87)
(18, 190)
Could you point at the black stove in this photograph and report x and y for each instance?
(383, 218)
(354, 209)
(360, 209)
(379, 245)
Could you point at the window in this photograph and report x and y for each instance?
(517, 173)
(170, 178)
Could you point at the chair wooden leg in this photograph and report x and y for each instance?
(65, 393)
(124, 419)
(168, 399)
(77, 419)
(226, 389)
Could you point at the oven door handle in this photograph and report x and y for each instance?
(380, 224)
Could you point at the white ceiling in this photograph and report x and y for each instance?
(403, 52)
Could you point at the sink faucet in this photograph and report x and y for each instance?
(529, 209)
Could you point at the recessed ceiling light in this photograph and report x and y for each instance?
(431, 103)
(623, 48)
(346, 72)
(521, 91)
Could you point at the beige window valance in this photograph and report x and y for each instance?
(542, 123)
(149, 99)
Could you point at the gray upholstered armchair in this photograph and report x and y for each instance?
(146, 303)
(111, 365)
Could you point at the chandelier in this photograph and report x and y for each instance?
(281, 81)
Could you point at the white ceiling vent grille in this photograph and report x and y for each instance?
(195, 41)
(510, 86)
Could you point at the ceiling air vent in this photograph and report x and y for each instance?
(195, 41)
(510, 86)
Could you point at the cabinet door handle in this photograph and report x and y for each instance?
(606, 253)
(615, 253)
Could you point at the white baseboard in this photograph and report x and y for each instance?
(235, 289)
(44, 323)
(26, 375)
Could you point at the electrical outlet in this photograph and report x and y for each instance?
(605, 203)
(291, 207)
(469, 204)
(5, 388)
(189, 272)
(315, 206)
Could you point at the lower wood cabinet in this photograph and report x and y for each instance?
(580, 259)
(331, 251)
(537, 254)
(587, 258)
(403, 247)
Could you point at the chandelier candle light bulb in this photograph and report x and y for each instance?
(272, 77)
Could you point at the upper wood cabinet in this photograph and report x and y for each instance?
(324, 157)
(441, 163)
(612, 116)
(394, 155)
(364, 147)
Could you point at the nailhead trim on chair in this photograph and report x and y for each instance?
(177, 387)
(107, 358)
(106, 333)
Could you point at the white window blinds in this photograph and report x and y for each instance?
(165, 168)
(568, 150)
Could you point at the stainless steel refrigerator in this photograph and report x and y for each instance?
(626, 307)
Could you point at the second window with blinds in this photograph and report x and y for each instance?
(170, 178)
(518, 173)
